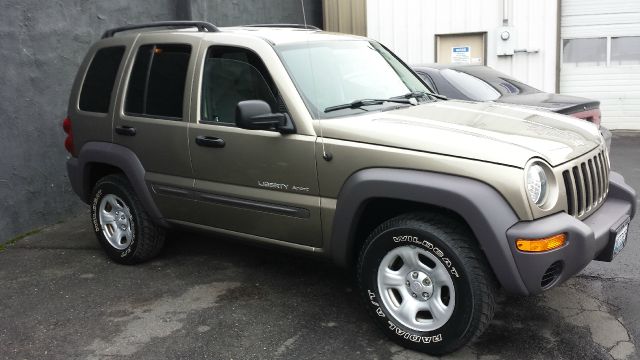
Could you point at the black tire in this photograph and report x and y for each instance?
(453, 244)
(146, 239)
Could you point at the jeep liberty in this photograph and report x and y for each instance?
(329, 144)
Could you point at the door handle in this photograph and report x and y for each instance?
(126, 130)
(210, 141)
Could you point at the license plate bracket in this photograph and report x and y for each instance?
(617, 239)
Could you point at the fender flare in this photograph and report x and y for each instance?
(483, 208)
(117, 156)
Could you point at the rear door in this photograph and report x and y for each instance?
(154, 113)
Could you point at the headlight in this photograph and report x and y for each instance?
(536, 183)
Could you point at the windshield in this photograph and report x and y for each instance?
(332, 73)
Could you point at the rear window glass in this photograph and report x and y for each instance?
(156, 86)
(101, 76)
(472, 87)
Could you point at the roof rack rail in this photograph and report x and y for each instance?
(201, 25)
(293, 26)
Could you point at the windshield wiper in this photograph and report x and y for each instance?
(365, 102)
(419, 94)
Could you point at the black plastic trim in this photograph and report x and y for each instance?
(202, 26)
(587, 240)
(118, 156)
(272, 208)
(484, 209)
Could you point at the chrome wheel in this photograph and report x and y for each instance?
(416, 288)
(116, 221)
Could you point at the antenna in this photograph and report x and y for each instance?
(304, 15)
(325, 155)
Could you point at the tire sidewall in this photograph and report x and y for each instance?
(102, 189)
(455, 328)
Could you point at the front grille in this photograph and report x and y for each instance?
(550, 276)
(587, 184)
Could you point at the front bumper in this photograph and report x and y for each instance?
(586, 239)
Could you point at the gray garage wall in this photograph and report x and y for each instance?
(41, 45)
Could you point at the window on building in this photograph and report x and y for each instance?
(157, 82)
(232, 75)
(625, 50)
(101, 76)
(590, 51)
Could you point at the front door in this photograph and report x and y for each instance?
(255, 182)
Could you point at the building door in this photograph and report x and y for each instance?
(468, 49)
(600, 57)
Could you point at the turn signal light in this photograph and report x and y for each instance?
(541, 245)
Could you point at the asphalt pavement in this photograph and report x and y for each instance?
(211, 298)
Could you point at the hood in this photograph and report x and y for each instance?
(563, 104)
(485, 131)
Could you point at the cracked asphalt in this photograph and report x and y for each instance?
(205, 298)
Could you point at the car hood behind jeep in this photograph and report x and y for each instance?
(484, 131)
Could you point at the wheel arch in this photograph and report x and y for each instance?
(465, 198)
(98, 159)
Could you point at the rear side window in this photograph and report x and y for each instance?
(101, 76)
(158, 79)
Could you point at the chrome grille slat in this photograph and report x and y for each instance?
(596, 167)
(603, 184)
(571, 192)
(586, 181)
(595, 194)
(586, 184)
(577, 180)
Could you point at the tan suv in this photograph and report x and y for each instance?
(329, 144)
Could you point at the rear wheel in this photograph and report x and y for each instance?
(426, 283)
(122, 226)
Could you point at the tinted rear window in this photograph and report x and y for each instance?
(101, 76)
(156, 86)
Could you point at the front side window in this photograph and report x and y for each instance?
(101, 76)
(330, 73)
(232, 75)
(157, 82)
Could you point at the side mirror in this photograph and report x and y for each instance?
(257, 115)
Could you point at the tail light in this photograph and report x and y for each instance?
(592, 116)
(68, 142)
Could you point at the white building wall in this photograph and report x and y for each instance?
(408, 27)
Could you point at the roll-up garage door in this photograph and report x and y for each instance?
(600, 57)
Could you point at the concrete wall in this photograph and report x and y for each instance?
(41, 46)
(238, 12)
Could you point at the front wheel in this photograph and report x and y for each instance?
(426, 283)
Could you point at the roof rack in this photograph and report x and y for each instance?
(201, 25)
(293, 26)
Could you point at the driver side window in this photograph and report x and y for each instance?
(232, 75)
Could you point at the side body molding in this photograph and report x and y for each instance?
(482, 207)
(119, 157)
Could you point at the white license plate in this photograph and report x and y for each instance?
(621, 239)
